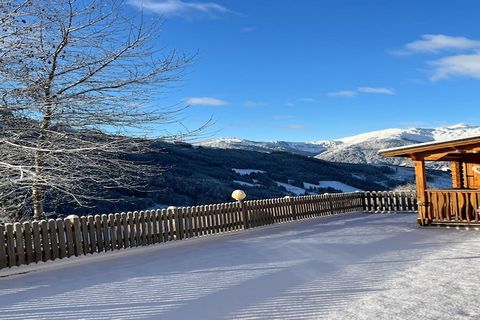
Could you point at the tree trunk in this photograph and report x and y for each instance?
(37, 190)
(37, 200)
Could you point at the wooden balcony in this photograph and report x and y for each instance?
(460, 205)
(453, 206)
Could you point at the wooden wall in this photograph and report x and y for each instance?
(472, 175)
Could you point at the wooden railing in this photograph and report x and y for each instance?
(458, 206)
(31, 242)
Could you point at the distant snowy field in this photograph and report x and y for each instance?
(353, 266)
(332, 184)
(340, 186)
(247, 184)
(246, 172)
(292, 189)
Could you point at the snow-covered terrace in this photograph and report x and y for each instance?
(352, 266)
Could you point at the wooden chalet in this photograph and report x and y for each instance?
(461, 203)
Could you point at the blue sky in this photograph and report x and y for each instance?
(301, 70)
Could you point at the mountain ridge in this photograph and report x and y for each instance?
(361, 148)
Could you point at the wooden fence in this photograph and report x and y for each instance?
(31, 242)
(388, 201)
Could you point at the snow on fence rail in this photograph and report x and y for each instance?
(31, 242)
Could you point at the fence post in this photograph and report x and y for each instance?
(330, 203)
(364, 200)
(244, 210)
(74, 228)
(12, 259)
(19, 243)
(176, 222)
(293, 210)
(3, 253)
(77, 236)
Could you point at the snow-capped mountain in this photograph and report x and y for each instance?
(303, 148)
(362, 148)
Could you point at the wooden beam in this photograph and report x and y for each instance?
(444, 156)
(421, 184)
(471, 158)
(466, 144)
(457, 180)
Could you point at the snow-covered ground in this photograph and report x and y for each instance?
(353, 266)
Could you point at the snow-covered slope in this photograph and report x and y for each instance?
(362, 148)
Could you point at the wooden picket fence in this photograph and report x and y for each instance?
(31, 242)
(388, 201)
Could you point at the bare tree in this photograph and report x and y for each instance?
(71, 71)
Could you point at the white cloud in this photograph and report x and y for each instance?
(463, 60)
(282, 117)
(465, 65)
(307, 100)
(376, 90)
(353, 93)
(253, 104)
(179, 7)
(343, 93)
(435, 43)
(247, 29)
(205, 101)
(294, 127)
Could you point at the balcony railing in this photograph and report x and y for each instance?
(459, 206)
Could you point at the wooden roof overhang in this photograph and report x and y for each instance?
(451, 150)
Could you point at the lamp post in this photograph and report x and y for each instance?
(239, 195)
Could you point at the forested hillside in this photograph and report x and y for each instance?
(193, 175)
(200, 175)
